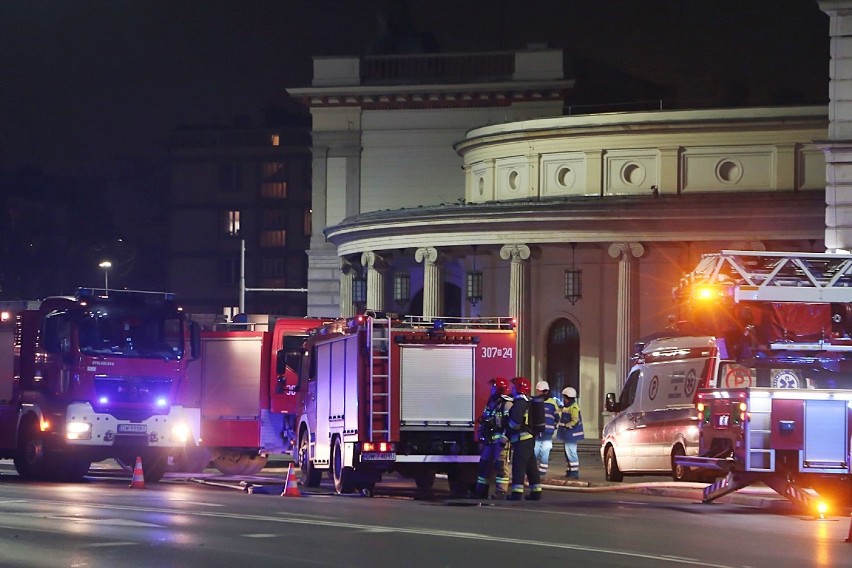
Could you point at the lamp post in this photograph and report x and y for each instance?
(106, 265)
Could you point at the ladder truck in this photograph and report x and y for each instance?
(380, 394)
(779, 409)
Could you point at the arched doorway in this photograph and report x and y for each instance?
(563, 356)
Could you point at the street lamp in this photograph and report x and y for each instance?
(106, 265)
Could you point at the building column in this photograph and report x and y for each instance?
(519, 302)
(838, 148)
(375, 266)
(433, 281)
(625, 334)
(347, 274)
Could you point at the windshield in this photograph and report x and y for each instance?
(129, 332)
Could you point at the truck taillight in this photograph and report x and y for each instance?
(739, 412)
(703, 412)
(377, 447)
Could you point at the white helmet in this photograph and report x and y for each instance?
(542, 386)
(569, 392)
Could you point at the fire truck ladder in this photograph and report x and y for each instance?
(778, 276)
(379, 406)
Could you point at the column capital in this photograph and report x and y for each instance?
(346, 265)
(370, 259)
(429, 255)
(623, 251)
(516, 252)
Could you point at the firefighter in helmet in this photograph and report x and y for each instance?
(493, 444)
(570, 431)
(523, 443)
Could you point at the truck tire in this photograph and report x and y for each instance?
(72, 469)
(192, 459)
(611, 466)
(31, 455)
(425, 479)
(679, 473)
(311, 476)
(342, 475)
(235, 462)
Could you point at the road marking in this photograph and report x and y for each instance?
(260, 535)
(108, 544)
(489, 538)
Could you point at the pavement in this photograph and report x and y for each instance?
(592, 480)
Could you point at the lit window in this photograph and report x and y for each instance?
(274, 189)
(275, 139)
(273, 238)
(232, 223)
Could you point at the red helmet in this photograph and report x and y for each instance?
(501, 384)
(522, 385)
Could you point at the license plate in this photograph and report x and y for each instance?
(378, 456)
(132, 428)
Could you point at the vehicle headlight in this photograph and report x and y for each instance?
(78, 431)
(181, 432)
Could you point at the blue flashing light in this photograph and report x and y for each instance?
(162, 402)
(438, 325)
(103, 400)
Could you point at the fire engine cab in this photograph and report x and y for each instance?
(381, 394)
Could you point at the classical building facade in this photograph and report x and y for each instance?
(479, 198)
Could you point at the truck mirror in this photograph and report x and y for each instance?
(610, 404)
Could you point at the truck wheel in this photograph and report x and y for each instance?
(72, 469)
(192, 459)
(425, 480)
(311, 476)
(611, 465)
(154, 466)
(342, 475)
(679, 472)
(234, 462)
(31, 455)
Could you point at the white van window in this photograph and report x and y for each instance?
(628, 393)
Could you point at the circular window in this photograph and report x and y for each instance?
(481, 186)
(513, 180)
(565, 177)
(729, 171)
(633, 173)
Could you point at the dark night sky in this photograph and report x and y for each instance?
(94, 86)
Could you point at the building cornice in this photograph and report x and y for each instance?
(698, 217)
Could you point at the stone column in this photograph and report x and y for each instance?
(375, 266)
(838, 149)
(433, 281)
(347, 273)
(625, 332)
(519, 303)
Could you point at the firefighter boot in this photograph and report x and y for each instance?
(480, 491)
(515, 496)
(534, 496)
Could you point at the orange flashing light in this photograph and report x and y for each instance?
(44, 425)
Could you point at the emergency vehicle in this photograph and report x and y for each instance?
(245, 390)
(94, 376)
(779, 409)
(382, 394)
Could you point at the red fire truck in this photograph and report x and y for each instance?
(780, 410)
(381, 394)
(94, 376)
(244, 388)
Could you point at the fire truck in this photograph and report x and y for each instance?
(779, 410)
(94, 376)
(381, 394)
(245, 390)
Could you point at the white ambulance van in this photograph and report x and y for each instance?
(654, 419)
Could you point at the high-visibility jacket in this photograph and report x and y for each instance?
(552, 412)
(518, 427)
(571, 424)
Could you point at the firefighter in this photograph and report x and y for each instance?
(570, 431)
(523, 444)
(544, 440)
(493, 444)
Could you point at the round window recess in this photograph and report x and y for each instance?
(729, 171)
(481, 186)
(633, 174)
(565, 177)
(513, 181)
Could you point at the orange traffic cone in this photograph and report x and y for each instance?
(291, 486)
(138, 481)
